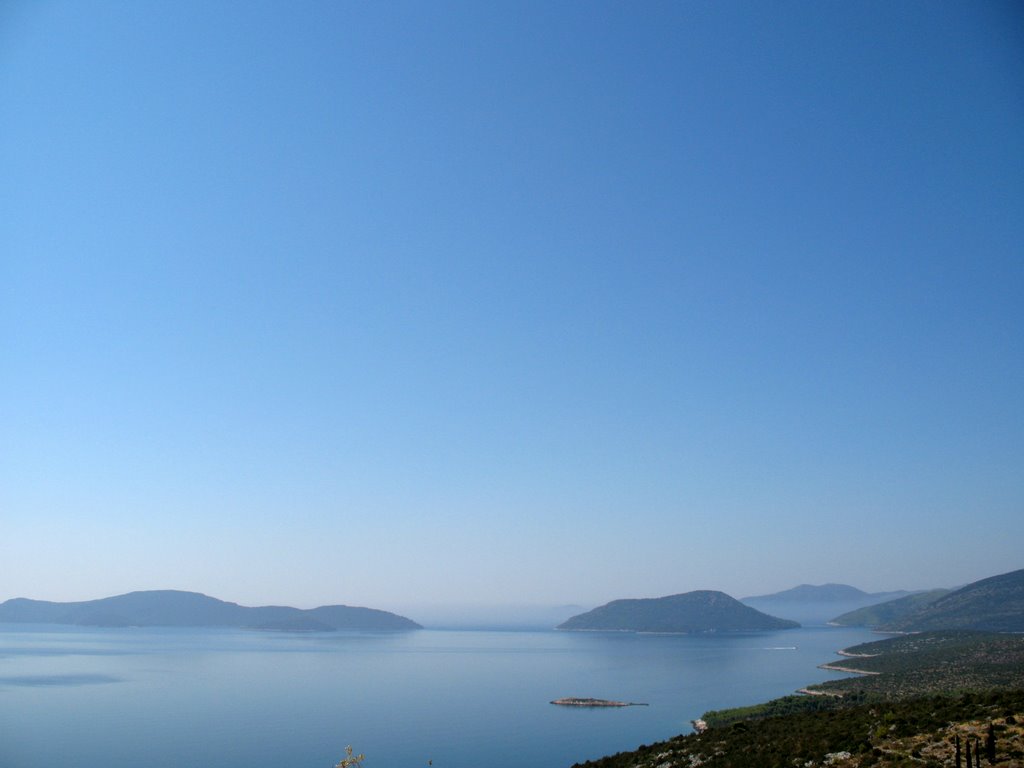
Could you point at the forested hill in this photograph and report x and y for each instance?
(889, 612)
(173, 608)
(995, 604)
(691, 612)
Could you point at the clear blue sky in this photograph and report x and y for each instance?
(406, 303)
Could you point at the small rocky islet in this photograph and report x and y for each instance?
(577, 701)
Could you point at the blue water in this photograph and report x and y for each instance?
(114, 698)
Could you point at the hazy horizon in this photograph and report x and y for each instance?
(462, 304)
(534, 616)
(488, 614)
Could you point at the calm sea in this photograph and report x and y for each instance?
(156, 698)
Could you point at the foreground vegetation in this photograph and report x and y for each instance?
(926, 694)
(915, 732)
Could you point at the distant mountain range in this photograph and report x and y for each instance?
(826, 593)
(817, 604)
(172, 608)
(691, 613)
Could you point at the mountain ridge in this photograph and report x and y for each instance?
(993, 604)
(829, 592)
(879, 614)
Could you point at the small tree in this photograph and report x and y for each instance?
(350, 760)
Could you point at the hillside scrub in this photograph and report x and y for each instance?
(913, 732)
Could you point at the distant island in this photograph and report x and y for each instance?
(174, 608)
(702, 611)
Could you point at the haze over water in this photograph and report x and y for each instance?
(166, 698)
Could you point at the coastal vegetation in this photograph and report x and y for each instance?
(921, 732)
(922, 694)
(930, 662)
(702, 611)
(901, 668)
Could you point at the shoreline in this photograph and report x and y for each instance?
(838, 668)
(700, 725)
(834, 667)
